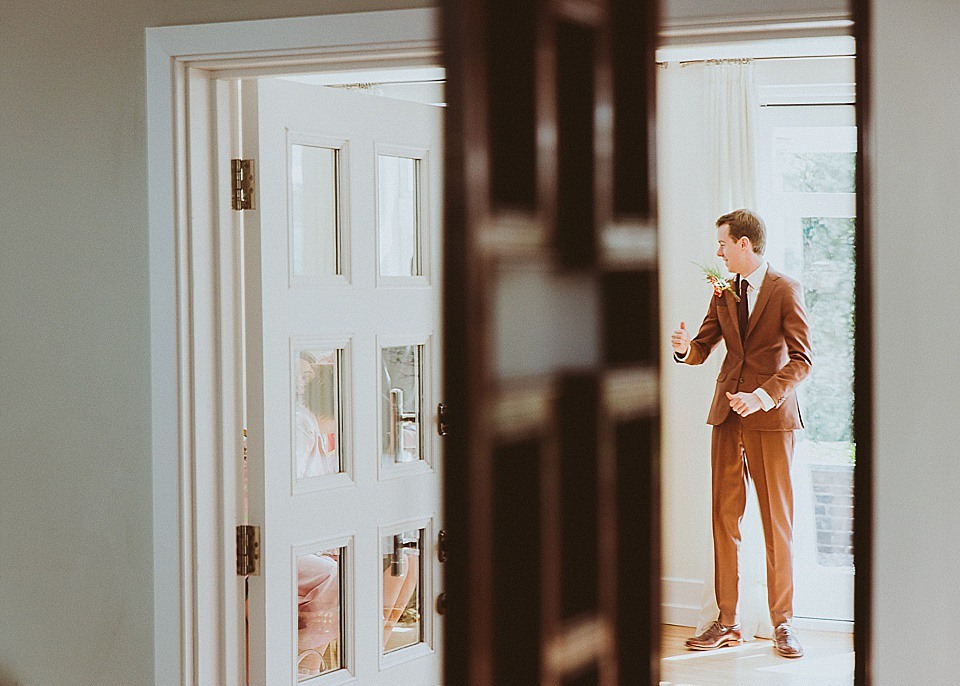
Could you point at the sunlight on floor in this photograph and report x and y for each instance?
(828, 661)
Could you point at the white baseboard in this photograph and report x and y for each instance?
(812, 624)
(681, 601)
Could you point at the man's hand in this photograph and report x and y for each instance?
(681, 340)
(744, 403)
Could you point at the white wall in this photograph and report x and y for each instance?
(76, 589)
(739, 9)
(687, 235)
(732, 20)
(916, 164)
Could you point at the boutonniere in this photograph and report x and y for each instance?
(717, 280)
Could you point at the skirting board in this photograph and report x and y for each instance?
(814, 624)
(682, 599)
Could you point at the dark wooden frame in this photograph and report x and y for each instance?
(863, 359)
(515, 197)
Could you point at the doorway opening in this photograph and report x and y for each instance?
(198, 322)
(782, 113)
(197, 439)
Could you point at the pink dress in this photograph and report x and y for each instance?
(318, 601)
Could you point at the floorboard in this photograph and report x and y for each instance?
(827, 661)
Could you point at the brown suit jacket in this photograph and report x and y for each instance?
(774, 356)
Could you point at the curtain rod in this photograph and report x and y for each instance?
(683, 63)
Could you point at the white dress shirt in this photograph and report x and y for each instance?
(754, 281)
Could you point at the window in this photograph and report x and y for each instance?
(806, 194)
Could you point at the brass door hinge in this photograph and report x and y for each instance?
(248, 550)
(241, 175)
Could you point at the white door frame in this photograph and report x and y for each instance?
(195, 338)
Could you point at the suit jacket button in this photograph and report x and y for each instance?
(741, 380)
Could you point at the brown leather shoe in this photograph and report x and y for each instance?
(716, 636)
(785, 642)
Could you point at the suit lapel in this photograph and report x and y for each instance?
(731, 309)
(762, 298)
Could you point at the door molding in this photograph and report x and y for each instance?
(195, 372)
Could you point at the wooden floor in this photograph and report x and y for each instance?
(827, 661)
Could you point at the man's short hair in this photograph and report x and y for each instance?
(746, 223)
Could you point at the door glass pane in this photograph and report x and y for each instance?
(317, 413)
(402, 390)
(314, 210)
(398, 189)
(319, 616)
(402, 583)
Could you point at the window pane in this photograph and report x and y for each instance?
(402, 597)
(314, 210)
(828, 280)
(399, 215)
(819, 172)
(402, 390)
(317, 413)
(827, 396)
(319, 613)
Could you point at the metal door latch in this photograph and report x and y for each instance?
(442, 545)
(442, 419)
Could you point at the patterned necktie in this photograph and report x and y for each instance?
(742, 312)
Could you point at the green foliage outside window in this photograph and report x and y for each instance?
(828, 286)
(819, 172)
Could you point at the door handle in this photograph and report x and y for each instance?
(397, 419)
(442, 545)
(397, 557)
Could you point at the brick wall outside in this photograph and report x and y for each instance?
(833, 508)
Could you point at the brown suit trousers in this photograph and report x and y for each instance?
(775, 356)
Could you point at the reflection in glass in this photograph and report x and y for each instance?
(314, 210)
(317, 413)
(399, 215)
(319, 620)
(402, 596)
(401, 401)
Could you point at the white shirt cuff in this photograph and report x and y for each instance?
(682, 358)
(765, 400)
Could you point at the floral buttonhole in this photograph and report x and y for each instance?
(716, 279)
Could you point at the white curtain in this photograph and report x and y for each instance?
(729, 140)
(731, 110)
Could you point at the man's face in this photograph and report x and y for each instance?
(732, 252)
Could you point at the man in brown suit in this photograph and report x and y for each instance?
(768, 354)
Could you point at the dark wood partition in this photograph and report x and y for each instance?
(551, 344)
(863, 361)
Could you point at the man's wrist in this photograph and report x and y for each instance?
(766, 402)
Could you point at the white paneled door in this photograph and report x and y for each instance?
(342, 303)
